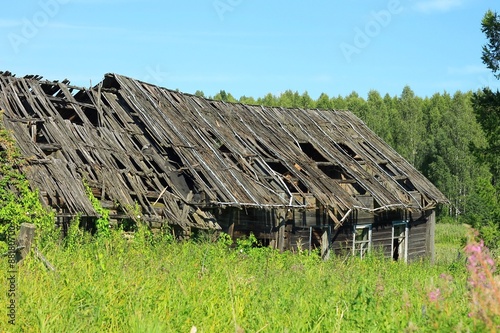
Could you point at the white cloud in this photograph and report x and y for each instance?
(428, 6)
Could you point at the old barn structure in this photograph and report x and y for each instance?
(292, 177)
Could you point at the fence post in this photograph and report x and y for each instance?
(24, 240)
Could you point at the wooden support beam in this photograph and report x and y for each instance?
(24, 240)
(430, 239)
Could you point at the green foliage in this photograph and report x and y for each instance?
(245, 244)
(226, 97)
(199, 93)
(18, 202)
(487, 109)
(490, 26)
(224, 239)
(102, 222)
(490, 233)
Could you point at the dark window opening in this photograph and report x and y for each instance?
(395, 251)
(399, 240)
(312, 152)
(332, 171)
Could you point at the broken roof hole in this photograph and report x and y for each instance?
(388, 170)
(223, 149)
(332, 171)
(347, 150)
(312, 152)
(294, 185)
(203, 178)
(155, 166)
(264, 149)
(71, 115)
(81, 156)
(92, 115)
(137, 142)
(406, 184)
(360, 189)
(173, 156)
(278, 167)
(119, 163)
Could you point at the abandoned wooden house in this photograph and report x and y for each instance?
(292, 177)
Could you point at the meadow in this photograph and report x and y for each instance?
(154, 284)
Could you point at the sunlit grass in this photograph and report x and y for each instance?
(133, 286)
(450, 242)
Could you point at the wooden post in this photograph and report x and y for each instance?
(24, 240)
(280, 224)
(325, 244)
(430, 239)
(232, 218)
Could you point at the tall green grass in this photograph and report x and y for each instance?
(145, 285)
(450, 241)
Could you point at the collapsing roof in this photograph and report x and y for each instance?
(179, 156)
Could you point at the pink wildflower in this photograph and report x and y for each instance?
(434, 295)
(446, 277)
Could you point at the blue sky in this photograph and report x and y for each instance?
(253, 47)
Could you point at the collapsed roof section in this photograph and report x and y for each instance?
(178, 156)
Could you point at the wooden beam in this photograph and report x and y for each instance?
(24, 240)
(430, 239)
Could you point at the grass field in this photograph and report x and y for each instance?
(156, 285)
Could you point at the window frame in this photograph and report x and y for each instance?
(361, 251)
(404, 236)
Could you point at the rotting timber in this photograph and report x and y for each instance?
(286, 175)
